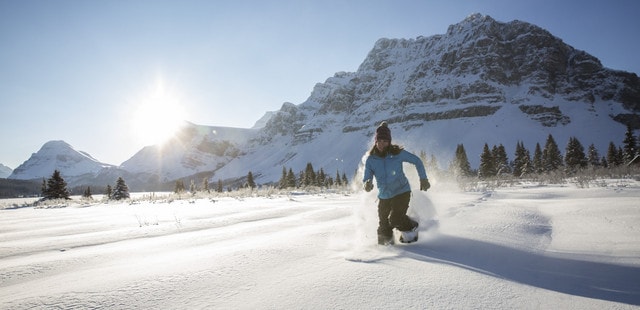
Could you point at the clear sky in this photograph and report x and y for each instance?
(110, 77)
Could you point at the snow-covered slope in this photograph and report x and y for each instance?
(5, 171)
(481, 82)
(58, 155)
(523, 247)
(193, 150)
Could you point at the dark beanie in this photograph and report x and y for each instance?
(383, 132)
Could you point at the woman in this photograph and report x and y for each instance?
(385, 164)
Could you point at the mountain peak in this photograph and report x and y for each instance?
(57, 155)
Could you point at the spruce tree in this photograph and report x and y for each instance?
(612, 155)
(309, 175)
(56, 187)
(460, 164)
(321, 178)
(192, 187)
(87, 193)
(593, 158)
(551, 156)
(574, 155)
(500, 159)
(250, 182)
(487, 167)
(108, 193)
(219, 187)
(179, 188)
(630, 147)
(522, 162)
(205, 185)
(291, 179)
(121, 191)
(538, 166)
(282, 183)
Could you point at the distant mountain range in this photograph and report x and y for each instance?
(483, 81)
(5, 171)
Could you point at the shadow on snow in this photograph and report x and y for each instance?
(605, 281)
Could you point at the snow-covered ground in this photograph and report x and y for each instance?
(524, 247)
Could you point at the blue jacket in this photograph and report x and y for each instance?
(389, 174)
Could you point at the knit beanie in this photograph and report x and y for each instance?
(383, 132)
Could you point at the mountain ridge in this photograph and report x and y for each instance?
(482, 81)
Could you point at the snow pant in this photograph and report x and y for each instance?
(392, 213)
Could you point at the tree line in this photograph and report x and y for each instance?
(494, 160)
(55, 187)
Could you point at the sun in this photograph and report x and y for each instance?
(157, 116)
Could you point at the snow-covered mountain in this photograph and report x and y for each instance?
(195, 149)
(5, 171)
(483, 81)
(58, 155)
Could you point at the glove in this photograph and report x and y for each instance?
(424, 184)
(368, 186)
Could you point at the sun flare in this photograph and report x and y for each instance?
(157, 116)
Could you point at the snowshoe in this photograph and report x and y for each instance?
(409, 236)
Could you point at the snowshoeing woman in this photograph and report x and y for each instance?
(384, 162)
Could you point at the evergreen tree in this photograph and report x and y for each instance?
(179, 188)
(192, 187)
(205, 185)
(338, 180)
(291, 179)
(574, 155)
(309, 175)
(593, 158)
(219, 187)
(43, 188)
(487, 167)
(630, 147)
(500, 159)
(250, 182)
(612, 156)
(538, 166)
(551, 156)
(56, 187)
(108, 192)
(87, 193)
(121, 191)
(345, 181)
(460, 164)
(522, 163)
(282, 183)
(321, 178)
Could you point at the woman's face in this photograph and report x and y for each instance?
(382, 145)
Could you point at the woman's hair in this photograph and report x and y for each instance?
(394, 149)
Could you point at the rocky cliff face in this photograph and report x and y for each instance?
(483, 72)
(479, 62)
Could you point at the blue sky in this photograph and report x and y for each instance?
(96, 73)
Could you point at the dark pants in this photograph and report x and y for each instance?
(392, 213)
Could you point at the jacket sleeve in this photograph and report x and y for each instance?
(416, 161)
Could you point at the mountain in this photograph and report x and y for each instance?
(5, 171)
(194, 149)
(483, 81)
(58, 155)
